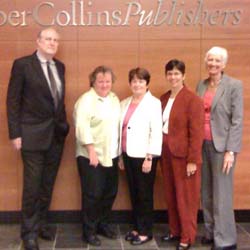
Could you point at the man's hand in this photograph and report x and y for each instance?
(17, 143)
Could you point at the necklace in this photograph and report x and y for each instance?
(214, 84)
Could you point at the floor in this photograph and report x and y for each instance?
(68, 237)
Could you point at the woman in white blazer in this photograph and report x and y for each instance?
(141, 133)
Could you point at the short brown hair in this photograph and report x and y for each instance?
(140, 73)
(100, 69)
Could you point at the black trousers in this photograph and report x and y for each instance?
(99, 188)
(40, 170)
(141, 188)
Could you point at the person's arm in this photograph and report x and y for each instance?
(191, 169)
(93, 159)
(155, 134)
(228, 162)
(235, 130)
(121, 163)
(147, 164)
(196, 134)
(14, 102)
(82, 116)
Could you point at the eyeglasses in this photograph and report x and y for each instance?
(50, 39)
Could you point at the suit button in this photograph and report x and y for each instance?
(128, 127)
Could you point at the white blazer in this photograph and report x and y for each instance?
(144, 130)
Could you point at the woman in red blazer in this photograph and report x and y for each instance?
(183, 117)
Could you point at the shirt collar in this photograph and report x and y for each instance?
(42, 59)
(99, 97)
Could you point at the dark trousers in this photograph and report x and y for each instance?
(182, 194)
(141, 188)
(40, 170)
(99, 188)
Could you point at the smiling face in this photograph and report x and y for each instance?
(138, 86)
(175, 78)
(47, 43)
(103, 84)
(214, 64)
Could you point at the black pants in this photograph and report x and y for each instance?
(40, 170)
(99, 188)
(141, 188)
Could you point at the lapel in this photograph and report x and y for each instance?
(40, 75)
(202, 88)
(60, 72)
(125, 108)
(178, 99)
(164, 100)
(61, 76)
(139, 109)
(142, 106)
(220, 90)
(143, 102)
(178, 103)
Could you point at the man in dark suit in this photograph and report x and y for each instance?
(38, 127)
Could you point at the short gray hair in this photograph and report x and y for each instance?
(39, 35)
(218, 51)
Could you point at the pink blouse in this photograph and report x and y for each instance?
(208, 99)
(127, 117)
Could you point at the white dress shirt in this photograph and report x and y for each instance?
(53, 68)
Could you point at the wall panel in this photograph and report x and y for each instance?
(155, 54)
(240, 31)
(172, 17)
(123, 47)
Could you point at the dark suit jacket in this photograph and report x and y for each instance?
(186, 125)
(30, 106)
(226, 113)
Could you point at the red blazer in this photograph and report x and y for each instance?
(186, 125)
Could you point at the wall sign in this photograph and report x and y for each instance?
(83, 13)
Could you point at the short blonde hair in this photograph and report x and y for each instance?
(218, 51)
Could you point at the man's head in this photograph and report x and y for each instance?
(47, 42)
